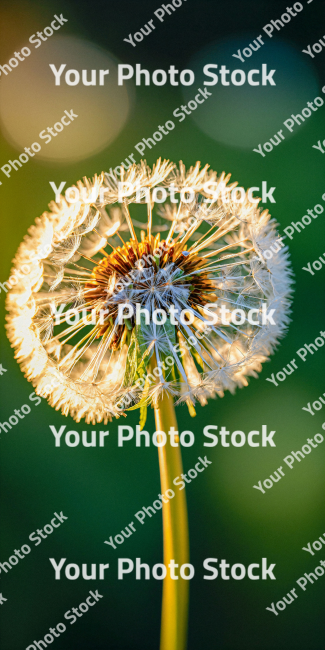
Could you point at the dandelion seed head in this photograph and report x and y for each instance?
(98, 257)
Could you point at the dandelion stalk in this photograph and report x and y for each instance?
(175, 534)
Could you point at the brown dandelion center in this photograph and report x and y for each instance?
(114, 273)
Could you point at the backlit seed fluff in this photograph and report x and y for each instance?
(92, 255)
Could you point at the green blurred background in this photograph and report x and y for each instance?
(100, 489)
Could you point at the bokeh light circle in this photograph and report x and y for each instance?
(245, 116)
(30, 101)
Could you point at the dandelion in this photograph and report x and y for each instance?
(207, 257)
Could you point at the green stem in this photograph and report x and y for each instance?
(175, 533)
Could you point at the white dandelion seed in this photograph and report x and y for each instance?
(97, 368)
